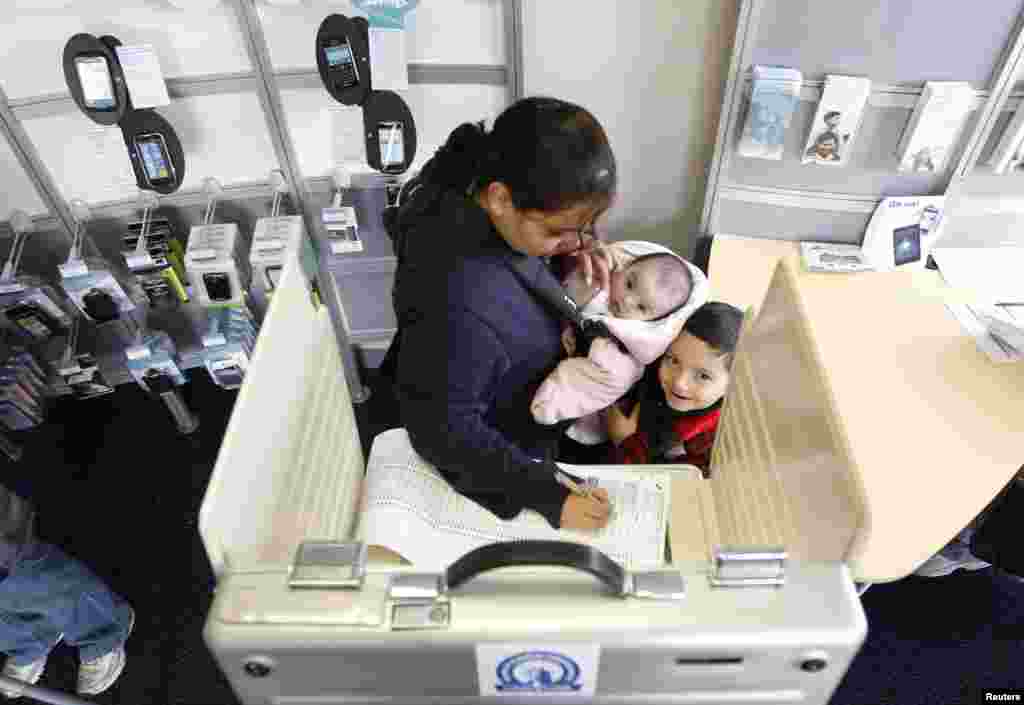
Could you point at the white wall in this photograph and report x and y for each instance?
(653, 73)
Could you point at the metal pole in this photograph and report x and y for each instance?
(514, 49)
(313, 265)
(29, 159)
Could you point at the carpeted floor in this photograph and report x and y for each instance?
(117, 488)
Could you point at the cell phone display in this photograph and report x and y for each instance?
(906, 245)
(218, 286)
(341, 62)
(392, 148)
(156, 163)
(97, 88)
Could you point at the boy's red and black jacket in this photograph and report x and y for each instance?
(661, 428)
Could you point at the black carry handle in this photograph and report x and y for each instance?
(526, 553)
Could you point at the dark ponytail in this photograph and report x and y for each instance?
(551, 155)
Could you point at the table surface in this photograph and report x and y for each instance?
(935, 429)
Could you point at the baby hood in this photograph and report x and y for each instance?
(648, 340)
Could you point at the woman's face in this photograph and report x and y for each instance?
(537, 233)
(693, 375)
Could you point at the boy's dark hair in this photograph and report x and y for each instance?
(551, 154)
(831, 114)
(671, 270)
(717, 324)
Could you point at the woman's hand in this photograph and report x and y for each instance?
(587, 513)
(595, 264)
(620, 426)
(569, 340)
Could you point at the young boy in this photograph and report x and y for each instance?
(650, 293)
(45, 597)
(680, 397)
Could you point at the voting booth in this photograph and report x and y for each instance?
(756, 601)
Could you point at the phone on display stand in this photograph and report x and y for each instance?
(390, 137)
(97, 86)
(33, 321)
(341, 63)
(218, 286)
(157, 168)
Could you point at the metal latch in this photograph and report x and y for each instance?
(748, 567)
(329, 564)
(419, 601)
(655, 585)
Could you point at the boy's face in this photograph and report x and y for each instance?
(693, 375)
(633, 293)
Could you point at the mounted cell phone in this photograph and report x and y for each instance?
(157, 168)
(97, 87)
(218, 286)
(341, 62)
(32, 321)
(391, 138)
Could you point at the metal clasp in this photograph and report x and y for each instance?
(656, 585)
(419, 601)
(748, 567)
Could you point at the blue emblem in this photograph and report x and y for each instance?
(538, 671)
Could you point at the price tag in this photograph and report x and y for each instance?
(339, 218)
(210, 341)
(202, 254)
(346, 247)
(268, 244)
(139, 352)
(73, 269)
(139, 261)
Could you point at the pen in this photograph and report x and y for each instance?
(584, 490)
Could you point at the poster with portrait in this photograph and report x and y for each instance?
(837, 120)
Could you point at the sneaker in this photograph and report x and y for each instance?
(953, 556)
(100, 673)
(29, 673)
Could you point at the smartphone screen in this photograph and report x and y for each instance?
(156, 163)
(906, 245)
(392, 149)
(218, 286)
(340, 61)
(94, 75)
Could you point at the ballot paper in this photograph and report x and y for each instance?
(992, 274)
(997, 329)
(409, 508)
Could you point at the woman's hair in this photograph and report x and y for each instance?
(717, 324)
(551, 155)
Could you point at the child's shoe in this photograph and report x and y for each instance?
(100, 673)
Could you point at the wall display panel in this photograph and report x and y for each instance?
(326, 133)
(436, 31)
(780, 223)
(891, 42)
(18, 190)
(871, 171)
(187, 42)
(223, 136)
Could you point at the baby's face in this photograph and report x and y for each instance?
(693, 375)
(633, 293)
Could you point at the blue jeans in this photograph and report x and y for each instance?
(48, 596)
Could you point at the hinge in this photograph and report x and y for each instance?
(329, 564)
(748, 567)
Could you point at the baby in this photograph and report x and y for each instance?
(650, 293)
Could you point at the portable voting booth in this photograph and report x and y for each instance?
(757, 603)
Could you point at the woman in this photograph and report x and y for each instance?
(474, 341)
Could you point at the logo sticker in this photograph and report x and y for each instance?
(552, 669)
